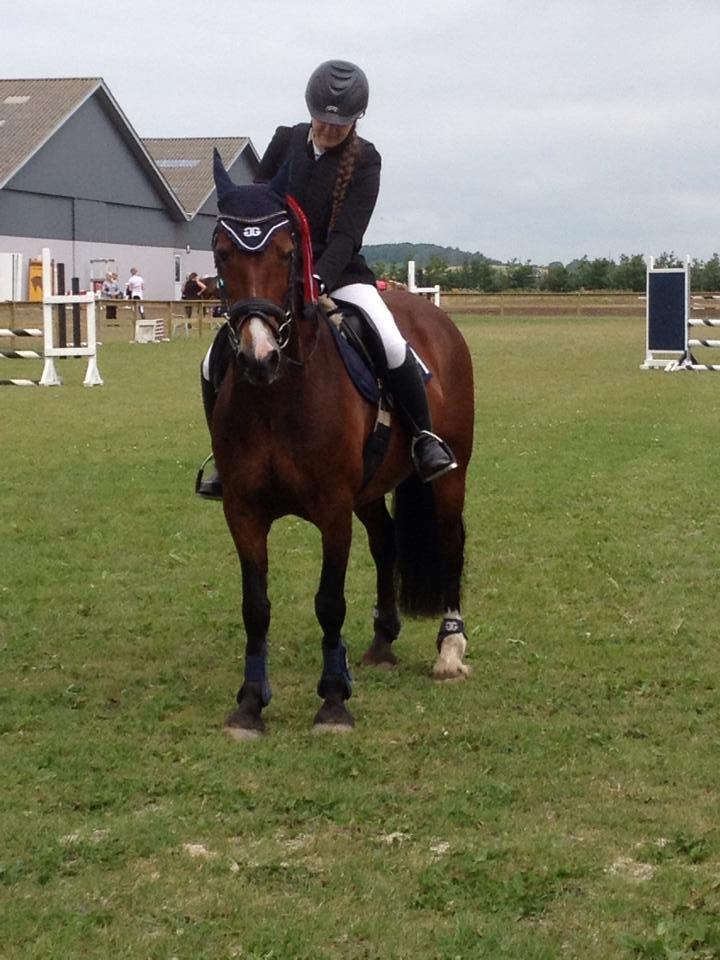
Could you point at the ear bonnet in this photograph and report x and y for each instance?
(250, 214)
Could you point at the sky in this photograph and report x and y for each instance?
(541, 131)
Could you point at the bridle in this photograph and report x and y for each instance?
(251, 235)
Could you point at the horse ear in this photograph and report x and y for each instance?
(223, 183)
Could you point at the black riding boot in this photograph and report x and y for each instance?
(431, 455)
(210, 489)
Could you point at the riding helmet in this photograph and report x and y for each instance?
(337, 92)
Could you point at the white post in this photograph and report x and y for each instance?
(435, 291)
(50, 377)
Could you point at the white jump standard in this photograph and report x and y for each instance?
(50, 376)
(668, 344)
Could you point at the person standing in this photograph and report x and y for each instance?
(135, 288)
(193, 289)
(111, 291)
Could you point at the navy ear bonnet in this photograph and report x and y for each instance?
(249, 214)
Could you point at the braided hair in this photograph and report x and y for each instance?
(346, 168)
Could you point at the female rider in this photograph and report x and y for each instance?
(335, 176)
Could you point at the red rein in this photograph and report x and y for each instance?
(310, 287)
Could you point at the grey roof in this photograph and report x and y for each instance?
(186, 163)
(31, 111)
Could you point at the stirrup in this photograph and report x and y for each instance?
(208, 489)
(443, 465)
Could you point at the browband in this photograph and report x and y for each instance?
(253, 235)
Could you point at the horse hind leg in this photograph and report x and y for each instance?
(451, 645)
(386, 622)
(451, 639)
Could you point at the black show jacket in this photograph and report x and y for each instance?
(290, 162)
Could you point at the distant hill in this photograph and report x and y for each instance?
(421, 253)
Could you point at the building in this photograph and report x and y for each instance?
(77, 178)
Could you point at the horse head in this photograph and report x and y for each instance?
(257, 258)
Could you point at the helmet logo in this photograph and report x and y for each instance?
(331, 108)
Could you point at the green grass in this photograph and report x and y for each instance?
(562, 803)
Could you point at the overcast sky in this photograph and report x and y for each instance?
(537, 130)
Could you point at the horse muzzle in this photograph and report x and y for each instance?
(254, 335)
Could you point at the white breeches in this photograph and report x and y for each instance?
(366, 296)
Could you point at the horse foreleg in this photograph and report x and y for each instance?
(246, 721)
(335, 686)
(386, 622)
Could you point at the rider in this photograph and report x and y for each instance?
(335, 176)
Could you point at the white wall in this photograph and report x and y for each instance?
(155, 264)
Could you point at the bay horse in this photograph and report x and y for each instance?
(288, 433)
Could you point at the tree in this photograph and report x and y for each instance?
(520, 276)
(630, 273)
(666, 260)
(710, 277)
(557, 278)
(436, 272)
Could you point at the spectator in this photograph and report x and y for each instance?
(135, 288)
(111, 291)
(193, 289)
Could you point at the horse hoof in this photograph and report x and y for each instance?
(332, 728)
(242, 734)
(440, 676)
(449, 664)
(241, 726)
(333, 717)
(379, 654)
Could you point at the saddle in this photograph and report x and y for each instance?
(360, 348)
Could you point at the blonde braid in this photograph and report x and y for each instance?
(346, 168)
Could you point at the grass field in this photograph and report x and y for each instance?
(562, 803)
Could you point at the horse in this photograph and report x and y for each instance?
(211, 291)
(288, 433)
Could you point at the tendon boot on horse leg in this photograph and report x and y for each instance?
(210, 488)
(431, 456)
(335, 687)
(246, 722)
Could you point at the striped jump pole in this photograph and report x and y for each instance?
(20, 332)
(20, 355)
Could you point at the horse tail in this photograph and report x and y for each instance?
(417, 541)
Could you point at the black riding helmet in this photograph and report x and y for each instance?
(337, 92)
